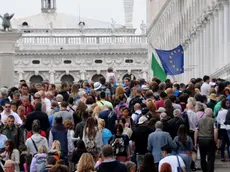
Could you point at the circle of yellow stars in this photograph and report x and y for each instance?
(171, 59)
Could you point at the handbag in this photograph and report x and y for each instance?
(179, 169)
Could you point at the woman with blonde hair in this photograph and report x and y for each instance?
(74, 92)
(86, 163)
(39, 160)
(119, 91)
(56, 150)
(106, 134)
(96, 112)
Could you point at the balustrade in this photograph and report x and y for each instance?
(78, 40)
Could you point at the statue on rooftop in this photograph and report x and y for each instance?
(143, 27)
(6, 21)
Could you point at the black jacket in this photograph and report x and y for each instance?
(173, 125)
(39, 115)
(113, 166)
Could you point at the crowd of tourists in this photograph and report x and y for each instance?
(107, 126)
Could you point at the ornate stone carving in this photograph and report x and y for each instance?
(6, 21)
(118, 60)
(57, 60)
(26, 61)
(46, 60)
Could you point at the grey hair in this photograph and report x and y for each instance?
(59, 96)
(4, 91)
(81, 92)
(209, 112)
(176, 112)
(159, 125)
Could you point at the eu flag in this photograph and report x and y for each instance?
(172, 60)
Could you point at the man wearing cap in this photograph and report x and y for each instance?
(212, 101)
(144, 89)
(158, 139)
(140, 140)
(174, 160)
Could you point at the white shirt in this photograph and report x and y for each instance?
(204, 90)
(3, 138)
(16, 117)
(193, 120)
(47, 103)
(221, 118)
(172, 160)
(135, 115)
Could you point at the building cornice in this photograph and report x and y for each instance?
(69, 52)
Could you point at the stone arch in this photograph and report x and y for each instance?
(131, 76)
(67, 78)
(36, 79)
(95, 78)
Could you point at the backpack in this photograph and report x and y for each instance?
(41, 164)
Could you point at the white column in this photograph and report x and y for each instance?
(7, 53)
(221, 36)
(195, 56)
(207, 61)
(212, 45)
(202, 53)
(226, 30)
(52, 79)
(82, 75)
(20, 75)
(216, 23)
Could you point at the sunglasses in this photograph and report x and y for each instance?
(7, 106)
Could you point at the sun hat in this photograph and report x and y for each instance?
(142, 120)
(160, 110)
(97, 86)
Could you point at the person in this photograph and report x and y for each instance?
(59, 168)
(205, 86)
(55, 151)
(184, 146)
(9, 166)
(166, 167)
(221, 117)
(206, 135)
(13, 132)
(64, 113)
(174, 160)
(120, 144)
(106, 134)
(86, 163)
(39, 160)
(92, 137)
(39, 115)
(131, 166)
(50, 162)
(78, 151)
(140, 140)
(36, 140)
(148, 164)
(8, 112)
(11, 154)
(158, 139)
(78, 133)
(60, 133)
(109, 161)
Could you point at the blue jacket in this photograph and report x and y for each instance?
(158, 139)
(181, 148)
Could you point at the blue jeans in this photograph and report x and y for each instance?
(187, 161)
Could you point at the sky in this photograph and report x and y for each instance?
(95, 9)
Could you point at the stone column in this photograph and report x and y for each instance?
(20, 75)
(212, 46)
(226, 30)
(7, 53)
(144, 74)
(52, 79)
(216, 28)
(82, 74)
(221, 36)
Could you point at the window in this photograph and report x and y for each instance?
(36, 61)
(67, 61)
(98, 61)
(24, 24)
(128, 61)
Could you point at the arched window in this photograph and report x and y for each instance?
(25, 24)
(96, 77)
(67, 78)
(36, 79)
